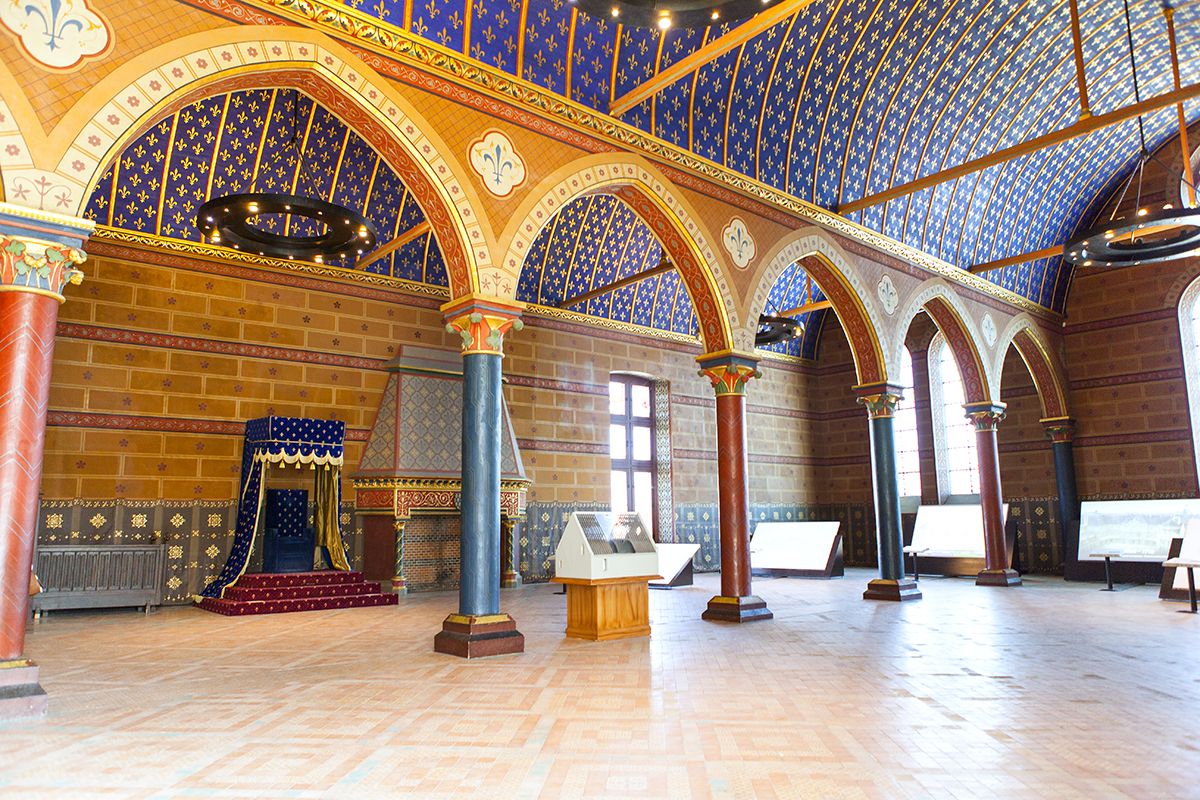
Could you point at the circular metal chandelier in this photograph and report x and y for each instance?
(1145, 234)
(773, 330)
(664, 14)
(242, 220)
(230, 221)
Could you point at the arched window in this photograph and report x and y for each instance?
(908, 457)
(953, 433)
(1189, 333)
(631, 442)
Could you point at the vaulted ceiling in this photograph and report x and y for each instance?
(240, 142)
(846, 98)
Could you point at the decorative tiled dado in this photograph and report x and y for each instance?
(543, 526)
(198, 534)
(697, 523)
(1038, 549)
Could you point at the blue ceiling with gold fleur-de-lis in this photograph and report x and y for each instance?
(849, 97)
(241, 142)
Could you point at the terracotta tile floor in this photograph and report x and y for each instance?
(1051, 690)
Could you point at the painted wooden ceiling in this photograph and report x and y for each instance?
(242, 142)
(849, 97)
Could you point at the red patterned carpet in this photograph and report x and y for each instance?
(266, 593)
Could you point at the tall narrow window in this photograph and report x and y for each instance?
(1189, 333)
(954, 435)
(631, 445)
(908, 457)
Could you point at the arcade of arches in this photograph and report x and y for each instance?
(594, 281)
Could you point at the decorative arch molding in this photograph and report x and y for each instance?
(937, 299)
(834, 271)
(656, 202)
(159, 82)
(1048, 377)
(1189, 305)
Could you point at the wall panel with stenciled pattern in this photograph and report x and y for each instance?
(197, 533)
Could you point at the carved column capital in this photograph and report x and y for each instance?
(728, 372)
(985, 416)
(481, 322)
(1059, 430)
(40, 251)
(880, 399)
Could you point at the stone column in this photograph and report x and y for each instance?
(479, 628)
(996, 571)
(399, 582)
(1061, 432)
(510, 552)
(892, 584)
(729, 374)
(39, 253)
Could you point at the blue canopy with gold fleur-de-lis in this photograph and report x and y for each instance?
(296, 442)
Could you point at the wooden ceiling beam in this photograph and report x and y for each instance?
(420, 229)
(718, 47)
(612, 287)
(1073, 131)
(1001, 263)
(815, 305)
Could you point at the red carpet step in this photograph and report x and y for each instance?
(266, 593)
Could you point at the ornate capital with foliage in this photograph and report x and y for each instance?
(1059, 430)
(728, 372)
(42, 267)
(985, 416)
(880, 399)
(481, 322)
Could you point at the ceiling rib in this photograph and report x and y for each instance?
(420, 229)
(709, 52)
(1022, 258)
(1085, 110)
(1080, 128)
(612, 287)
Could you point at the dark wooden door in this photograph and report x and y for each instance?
(379, 548)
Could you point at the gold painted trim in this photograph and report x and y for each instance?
(384, 38)
(563, 315)
(80, 224)
(478, 619)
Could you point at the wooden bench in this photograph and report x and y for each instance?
(98, 576)
(1189, 564)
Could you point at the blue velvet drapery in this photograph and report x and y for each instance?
(288, 441)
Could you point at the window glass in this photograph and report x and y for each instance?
(641, 399)
(959, 461)
(616, 442)
(643, 497)
(641, 443)
(631, 446)
(908, 456)
(616, 398)
(620, 492)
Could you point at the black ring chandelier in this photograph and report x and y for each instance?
(664, 14)
(233, 220)
(1144, 235)
(230, 221)
(773, 330)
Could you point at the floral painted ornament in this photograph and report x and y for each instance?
(496, 162)
(58, 34)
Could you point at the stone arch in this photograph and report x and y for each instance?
(834, 271)
(939, 301)
(128, 101)
(657, 203)
(1047, 373)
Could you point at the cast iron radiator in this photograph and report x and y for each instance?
(98, 576)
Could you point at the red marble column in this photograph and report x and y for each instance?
(736, 603)
(37, 258)
(26, 350)
(996, 571)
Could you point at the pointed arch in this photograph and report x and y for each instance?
(657, 203)
(159, 82)
(1046, 370)
(833, 270)
(947, 311)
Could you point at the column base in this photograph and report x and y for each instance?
(998, 577)
(749, 608)
(399, 585)
(510, 580)
(887, 589)
(21, 696)
(469, 636)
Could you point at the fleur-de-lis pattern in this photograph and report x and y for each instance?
(56, 33)
(738, 242)
(496, 162)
